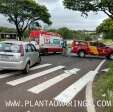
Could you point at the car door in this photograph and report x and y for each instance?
(102, 49)
(93, 49)
(35, 53)
(29, 53)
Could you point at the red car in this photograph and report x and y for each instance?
(82, 48)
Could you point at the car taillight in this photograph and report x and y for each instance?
(21, 50)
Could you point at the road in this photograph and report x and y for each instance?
(58, 79)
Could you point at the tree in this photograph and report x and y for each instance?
(66, 33)
(86, 6)
(23, 13)
(106, 27)
(8, 30)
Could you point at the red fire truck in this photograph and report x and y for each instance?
(47, 42)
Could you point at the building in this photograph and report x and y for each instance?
(4, 35)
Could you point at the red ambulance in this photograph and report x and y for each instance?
(47, 42)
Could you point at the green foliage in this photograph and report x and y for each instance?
(72, 34)
(82, 35)
(7, 30)
(103, 87)
(106, 27)
(52, 30)
(23, 13)
(86, 6)
(66, 33)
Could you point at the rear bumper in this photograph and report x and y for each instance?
(12, 65)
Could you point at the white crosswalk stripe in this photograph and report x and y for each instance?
(33, 76)
(68, 94)
(43, 86)
(40, 66)
(6, 75)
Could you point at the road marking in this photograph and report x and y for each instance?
(100, 65)
(89, 95)
(6, 75)
(68, 94)
(43, 86)
(105, 70)
(40, 66)
(33, 76)
(89, 98)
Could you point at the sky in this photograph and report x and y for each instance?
(62, 17)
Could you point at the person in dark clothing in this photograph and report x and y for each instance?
(64, 47)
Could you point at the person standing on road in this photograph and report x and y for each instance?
(64, 48)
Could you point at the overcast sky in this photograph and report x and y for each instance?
(66, 18)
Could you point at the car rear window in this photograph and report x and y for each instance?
(9, 47)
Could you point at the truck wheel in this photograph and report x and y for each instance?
(46, 52)
(81, 54)
(111, 56)
(26, 70)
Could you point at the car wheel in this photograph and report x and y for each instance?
(111, 56)
(81, 54)
(26, 70)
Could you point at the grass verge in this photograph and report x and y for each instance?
(103, 88)
(107, 41)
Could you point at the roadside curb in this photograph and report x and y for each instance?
(89, 94)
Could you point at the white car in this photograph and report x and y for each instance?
(18, 55)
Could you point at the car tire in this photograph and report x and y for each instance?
(81, 54)
(26, 70)
(46, 52)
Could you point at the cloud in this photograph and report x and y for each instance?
(4, 22)
(62, 17)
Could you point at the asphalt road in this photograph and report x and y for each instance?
(47, 85)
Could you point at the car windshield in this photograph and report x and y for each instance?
(9, 47)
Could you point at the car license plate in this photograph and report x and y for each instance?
(3, 58)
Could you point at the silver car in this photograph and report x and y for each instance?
(18, 55)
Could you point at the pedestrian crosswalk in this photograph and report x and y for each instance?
(7, 75)
(40, 66)
(39, 88)
(31, 69)
(66, 95)
(33, 76)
